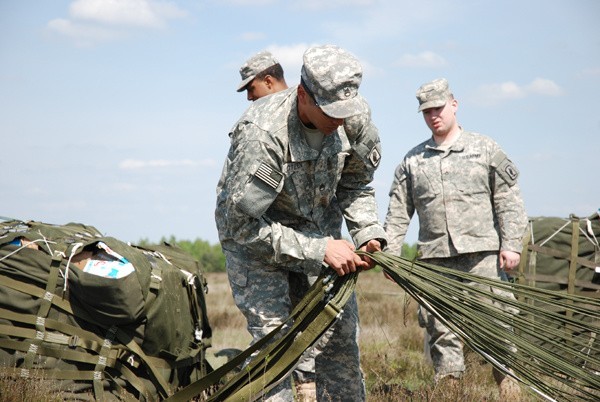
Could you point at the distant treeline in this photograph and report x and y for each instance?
(211, 256)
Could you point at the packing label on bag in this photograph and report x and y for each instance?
(108, 264)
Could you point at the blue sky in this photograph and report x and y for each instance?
(115, 113)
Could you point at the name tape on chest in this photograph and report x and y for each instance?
(268, 175)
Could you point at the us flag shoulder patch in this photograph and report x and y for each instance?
(268, 175)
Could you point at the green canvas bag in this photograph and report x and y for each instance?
(562, 255)
(98, 318)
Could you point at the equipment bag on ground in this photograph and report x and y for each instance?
(96, 318)
(562, 255)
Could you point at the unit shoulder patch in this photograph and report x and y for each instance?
(508, 171)
(375, 156)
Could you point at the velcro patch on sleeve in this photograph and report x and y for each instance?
(505, 168)
(268, 175)
(508, 171)
(375, 156)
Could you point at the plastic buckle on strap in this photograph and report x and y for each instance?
(131, 360)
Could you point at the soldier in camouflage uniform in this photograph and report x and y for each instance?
(262, 75)
(471, 215)
(292, 174)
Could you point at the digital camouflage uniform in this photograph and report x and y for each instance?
(469, 208)
(279, 202)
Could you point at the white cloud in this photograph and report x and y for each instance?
(139, 13)
(83, 35)
(291, 54)
(427, 59)
(492, 94)
(93, 21)
(290, 57)
(313, 5)
(319, 5)
(136, 164)
(251, 3)
(541, 86)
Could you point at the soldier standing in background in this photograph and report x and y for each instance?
(262, 75)
(471, 215)
(291, 177)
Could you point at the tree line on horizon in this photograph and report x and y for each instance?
(212, 259)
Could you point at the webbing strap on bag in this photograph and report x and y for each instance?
(284, 358)
(312, 317)
(162, 386)
(274, 363)
(572, 270)
(44, 309)
(212, 378)
(69, 334)
(102, 362)
(157, 379)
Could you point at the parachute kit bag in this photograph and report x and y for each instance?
(99, 319)
(562, 255)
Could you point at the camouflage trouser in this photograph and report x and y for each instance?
(305, 370)
(264, 295)
(445, 348)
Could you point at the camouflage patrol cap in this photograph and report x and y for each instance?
(433, 94)
(253, 66)
(332, 76)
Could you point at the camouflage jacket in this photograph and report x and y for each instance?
(467, 199)
(279, 201)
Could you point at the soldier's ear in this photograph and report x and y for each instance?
(268, 81)
(302, 95)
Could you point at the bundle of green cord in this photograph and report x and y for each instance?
(550, 343)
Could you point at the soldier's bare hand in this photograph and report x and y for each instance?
(370, 247)
(340, 256)
(509, 260)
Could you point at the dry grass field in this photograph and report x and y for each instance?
(391, 347)
(391, 344)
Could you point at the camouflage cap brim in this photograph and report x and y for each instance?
(345, 108)
(432, 104)
(242, 86)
